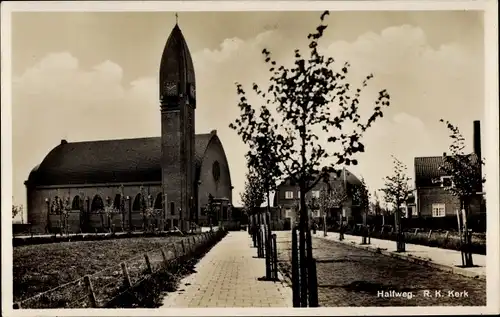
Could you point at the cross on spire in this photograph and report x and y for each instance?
(176, 18)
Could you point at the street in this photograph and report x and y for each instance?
(349, 276)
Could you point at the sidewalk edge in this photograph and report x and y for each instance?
(409, 258)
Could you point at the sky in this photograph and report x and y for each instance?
(90, 76)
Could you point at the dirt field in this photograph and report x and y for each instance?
(38, 268)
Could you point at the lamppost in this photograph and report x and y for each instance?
(191, 206)
(87, 214)
(165, 213)
(230, 215)
(210, 208)
(47, 227)
(181, 219)
(129, 213)
(198, 202)
(108, 211)
(151, 211)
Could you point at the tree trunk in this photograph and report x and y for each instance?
(467, 234)
(268, 237)
(302, 245)
(400, 244)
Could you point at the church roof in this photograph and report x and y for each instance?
(108, 161)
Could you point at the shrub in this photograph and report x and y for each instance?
(439, 240)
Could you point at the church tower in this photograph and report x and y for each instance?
(178, 103)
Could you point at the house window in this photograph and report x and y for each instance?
(314, 214)
(172, 208)
(438, 210)
(414, 211)
(315, 193)
(446, 181)
(409, 212)
(288, 213)
(288, 194)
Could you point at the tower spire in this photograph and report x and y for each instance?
(176, 18)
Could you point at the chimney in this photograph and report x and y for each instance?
(477, 138)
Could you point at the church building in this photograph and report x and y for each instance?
(166, 180)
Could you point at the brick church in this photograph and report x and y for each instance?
(171, 176)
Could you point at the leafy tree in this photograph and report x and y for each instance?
(16, 210)
(313, 94)
(56, 206)
(396, 192)
(210, 209)
(121, 207)
(333, 195)
(65, 214)
(145, 207)
(262, 158)
(253, 195)
(464, 169)
(377, 209)
(397, 187)
(467, 180)
(325, 200)
(361, 196)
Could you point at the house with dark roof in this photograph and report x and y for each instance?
(172, 174)
(287, 197)
(432, 199)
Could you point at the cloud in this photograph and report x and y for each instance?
(58, 99)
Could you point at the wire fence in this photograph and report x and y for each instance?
(102, 287)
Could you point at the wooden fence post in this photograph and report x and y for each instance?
(148, 263)
(164, 256)
(416, 231)
(90, 290)
(126, 276)
(429, 235)
(446, 235)
(176, 254)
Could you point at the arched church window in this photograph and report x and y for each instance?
(172, 208)
(75, 205)
(117, 201)
(216, 171)
(97, 204)
(137, 203)
(158, 201)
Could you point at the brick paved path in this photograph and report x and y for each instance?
(227, 276)
(349, 276)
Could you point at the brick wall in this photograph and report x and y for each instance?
(37, 207)
(427, 196)
(220, 188)
(281, 199)
(173, 179)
